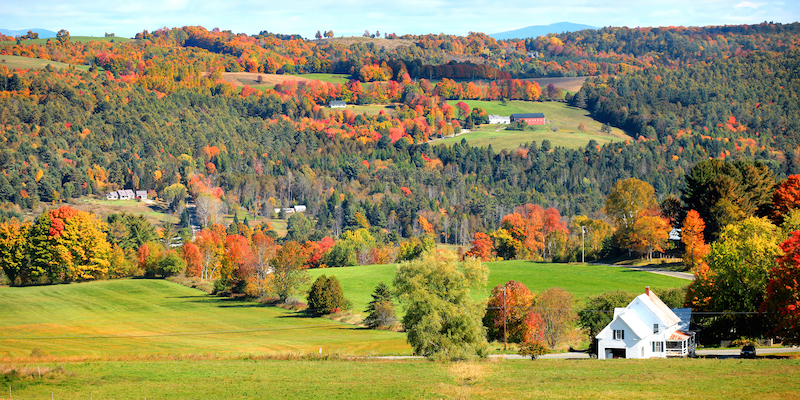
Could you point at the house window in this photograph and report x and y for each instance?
(655, 328)
(658, 347)
(619, 334)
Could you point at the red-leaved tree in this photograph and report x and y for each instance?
(782, 301)
(511, 303)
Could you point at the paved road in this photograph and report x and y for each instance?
(720, 353)
(655, 270)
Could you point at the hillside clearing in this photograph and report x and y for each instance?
(560, 115)
(78, 39)
(582, 280)
(14, 62)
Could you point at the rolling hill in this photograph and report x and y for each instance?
(540, 30)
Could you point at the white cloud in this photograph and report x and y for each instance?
(748, 4)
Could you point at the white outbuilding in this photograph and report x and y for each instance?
(646, 328)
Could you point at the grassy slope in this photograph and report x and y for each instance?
(79, 39)
(332, 78)
(561, 379)
(13, 62)
(580, 280)
(161, 317)
(566, 118)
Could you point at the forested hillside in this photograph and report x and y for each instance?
(160, 115)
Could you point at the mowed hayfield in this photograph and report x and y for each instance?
(19, 62)
(582, 280)
(268, 81)
(78, 39)
(137, 317)
(408, 379)
(560, 115)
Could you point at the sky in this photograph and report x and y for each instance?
(353, 17)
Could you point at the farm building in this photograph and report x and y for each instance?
(338, 104)
(290, 210)
(529, 118)
(499, 119)
(126, 194)
(646, 328)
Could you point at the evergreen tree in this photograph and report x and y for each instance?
(380, 311)
(326, 296)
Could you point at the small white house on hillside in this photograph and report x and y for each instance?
(499, 119)
(646, 328)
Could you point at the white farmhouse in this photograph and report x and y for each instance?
(646, 328)
(338, 104)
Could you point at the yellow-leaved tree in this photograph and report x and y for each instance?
(69, 245)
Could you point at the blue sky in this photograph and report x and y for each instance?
(352, 17)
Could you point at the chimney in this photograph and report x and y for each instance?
(647, 290)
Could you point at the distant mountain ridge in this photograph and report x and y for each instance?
(541, 30)
(43, 33)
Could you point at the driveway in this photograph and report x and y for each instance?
(655, 270)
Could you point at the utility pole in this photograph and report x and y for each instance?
(505, 332)
(583, 244)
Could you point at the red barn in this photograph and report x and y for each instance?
(530, 118)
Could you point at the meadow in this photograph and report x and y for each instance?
(12, 62)
(582, 280)
(560, 115)
(374, 379)
(79, 39)
(137, 317)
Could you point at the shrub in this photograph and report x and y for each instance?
(326, 296)
(532, 349)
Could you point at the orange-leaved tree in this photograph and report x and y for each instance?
(482, 247)
(648, 234)
(695, 247)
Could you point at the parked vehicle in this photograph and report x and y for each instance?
(748, 351)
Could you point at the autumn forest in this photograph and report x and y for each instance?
(711, 116)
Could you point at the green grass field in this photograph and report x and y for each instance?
(79, 39)
(332, 78)
(582, 280)
(365, 379)
(13, 62)
(156, 317)
(566, 118)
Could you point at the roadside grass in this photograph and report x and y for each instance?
(14, 62)
(137, 317)
(372, 379)
(560, 115)
(582, 280)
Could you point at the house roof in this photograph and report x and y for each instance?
(338, 103)
(635, 323)
(685, 315)
(528, 115)
(678, 335)
(659, 309)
